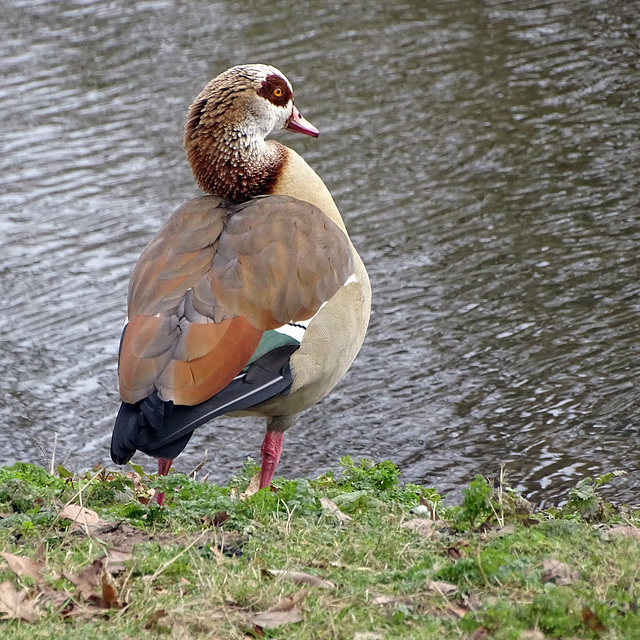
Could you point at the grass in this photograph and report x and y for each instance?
(206, 564)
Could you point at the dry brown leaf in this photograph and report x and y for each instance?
(254, 487)
(13, 604)
(220, 518)
(421, 526)
(631, 532)
(333, 509)
(299, 577)
(533, 634)
(480, 634)
(55, 600)
(383, 599)
(115, 560)
(459, 612)
(153, 618)
(592, 622)
(558, 572)
(109, 596)
(368, 635)
(87, 581)
(444, 588)
(455, 553)
(82, 517)
(22, 566)
(289, 602)
(275, 619)
(500, 532)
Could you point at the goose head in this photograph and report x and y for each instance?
(226, 129)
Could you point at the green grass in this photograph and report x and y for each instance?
(479, 573)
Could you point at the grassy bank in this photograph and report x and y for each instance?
(359, 556)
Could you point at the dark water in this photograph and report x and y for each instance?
(486, 158)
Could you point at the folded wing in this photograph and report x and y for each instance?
(214, 278)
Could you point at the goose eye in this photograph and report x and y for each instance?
(277, 92)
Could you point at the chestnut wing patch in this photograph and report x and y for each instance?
(213, 279)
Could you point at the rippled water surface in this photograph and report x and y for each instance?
(485, 156)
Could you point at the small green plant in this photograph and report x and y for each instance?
(584, 499)
(476, 504)
(380, 476)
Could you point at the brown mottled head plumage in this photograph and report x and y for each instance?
(226, 129)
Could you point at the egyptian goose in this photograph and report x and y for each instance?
(248, 301)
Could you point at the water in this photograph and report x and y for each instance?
(486, 158)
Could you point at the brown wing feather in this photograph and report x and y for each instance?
(213, 279)
(288, 256)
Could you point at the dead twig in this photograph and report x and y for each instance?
(199, 466)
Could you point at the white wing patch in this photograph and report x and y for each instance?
(296, 329)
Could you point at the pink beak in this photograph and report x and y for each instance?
(298, 124)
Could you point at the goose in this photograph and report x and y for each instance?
(250, 300)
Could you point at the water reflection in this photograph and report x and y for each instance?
(484, 154)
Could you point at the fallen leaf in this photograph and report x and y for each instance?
(220, 518)
(383, 599)
(592, 622)
(57, 602)
(299, 577)
(421, 526)
(480, 634)
(275, 619)
(558, 572)
(455, 553)
(333, 509)
(115, 560)
(444, 588)
(87, 581)
(532, 634)
(109, 597)
(82, 518)
(368, 635)
(631, 532)
(254, 487)
(500, 532)
(152, 619)
(22, 566)
(289, 602)
(13, 603)
(459, 612)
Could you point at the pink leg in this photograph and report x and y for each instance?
(270, 450)
(164, 464)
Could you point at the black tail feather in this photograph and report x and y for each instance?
(125, 433)
(162, 430)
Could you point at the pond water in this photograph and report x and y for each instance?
(485, 155)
